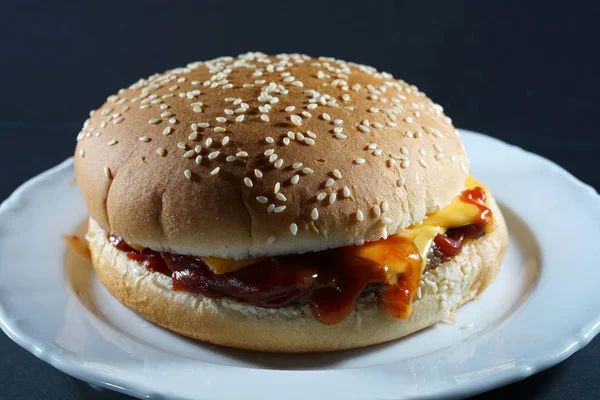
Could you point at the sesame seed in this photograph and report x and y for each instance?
(107, 172)
(187, 173)
(248, 182)
(314, 214)
(307, 170)
(326, 117)
(198, 149)
(332, 198)
(241, 154)
(181, 145)
(215, 171)
(359, 215)
(118, 120)
(225, 141)
(337, 174)
(154, 121)
(408, 120)
(172, 121)
(258, 173)
(221, 119)
(262, 199)
(82, 153)
(312, 106)
(321, 196)
(338, 129)
(208, 142)
(199, 160)
(277, 187)
(297, 165)
(278, 163)
(271, 239)
(273, 157)
(296, 120)
(270, 208)
(189, 153)
(286, 141)
(438, 156)
(112, 142)
(309, 141)
(386, 220)
(329, 182)
(295, 179)
(264, 117)
(376, 210)
(385, 205)
(363, 128)
(230, 158)
(405, 164)
(400, 182)
(290, 108)
(279, 209)
(391, 162)
(203, 124)
(346, 97)
(213, 155)
(269, 139)
(193, 135)
(423, 163)
(341, 136)
(294, 229)
(359, 161)
(377, 152)
(338, 121)
(269, 152)
(346, 192)
(166, 114)
(240, 118)
(160, 151)
(219, 129)
(167, 131)
(228, 111)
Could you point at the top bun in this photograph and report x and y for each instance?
(266, 155)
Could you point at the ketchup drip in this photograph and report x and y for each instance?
(330, 280)
(450, 244)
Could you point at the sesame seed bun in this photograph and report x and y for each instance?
(229, 322)
(258, 155)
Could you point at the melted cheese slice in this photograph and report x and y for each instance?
(421, 235)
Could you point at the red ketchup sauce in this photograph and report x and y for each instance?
(331, 281)
(450, 244)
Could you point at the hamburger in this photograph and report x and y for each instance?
(284, 203)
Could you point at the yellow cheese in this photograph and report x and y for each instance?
(387, 252)
(222, 265)
(456, 214)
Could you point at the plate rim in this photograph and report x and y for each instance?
(521, 369)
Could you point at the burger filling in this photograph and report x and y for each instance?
(331, 281)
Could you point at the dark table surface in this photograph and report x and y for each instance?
(525, 73)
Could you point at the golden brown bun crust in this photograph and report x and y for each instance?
(293, 329)
(413, 157)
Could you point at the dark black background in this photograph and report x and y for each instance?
(525, 72)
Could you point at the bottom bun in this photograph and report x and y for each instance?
(293, 329)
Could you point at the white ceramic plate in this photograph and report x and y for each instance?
(52, 304)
